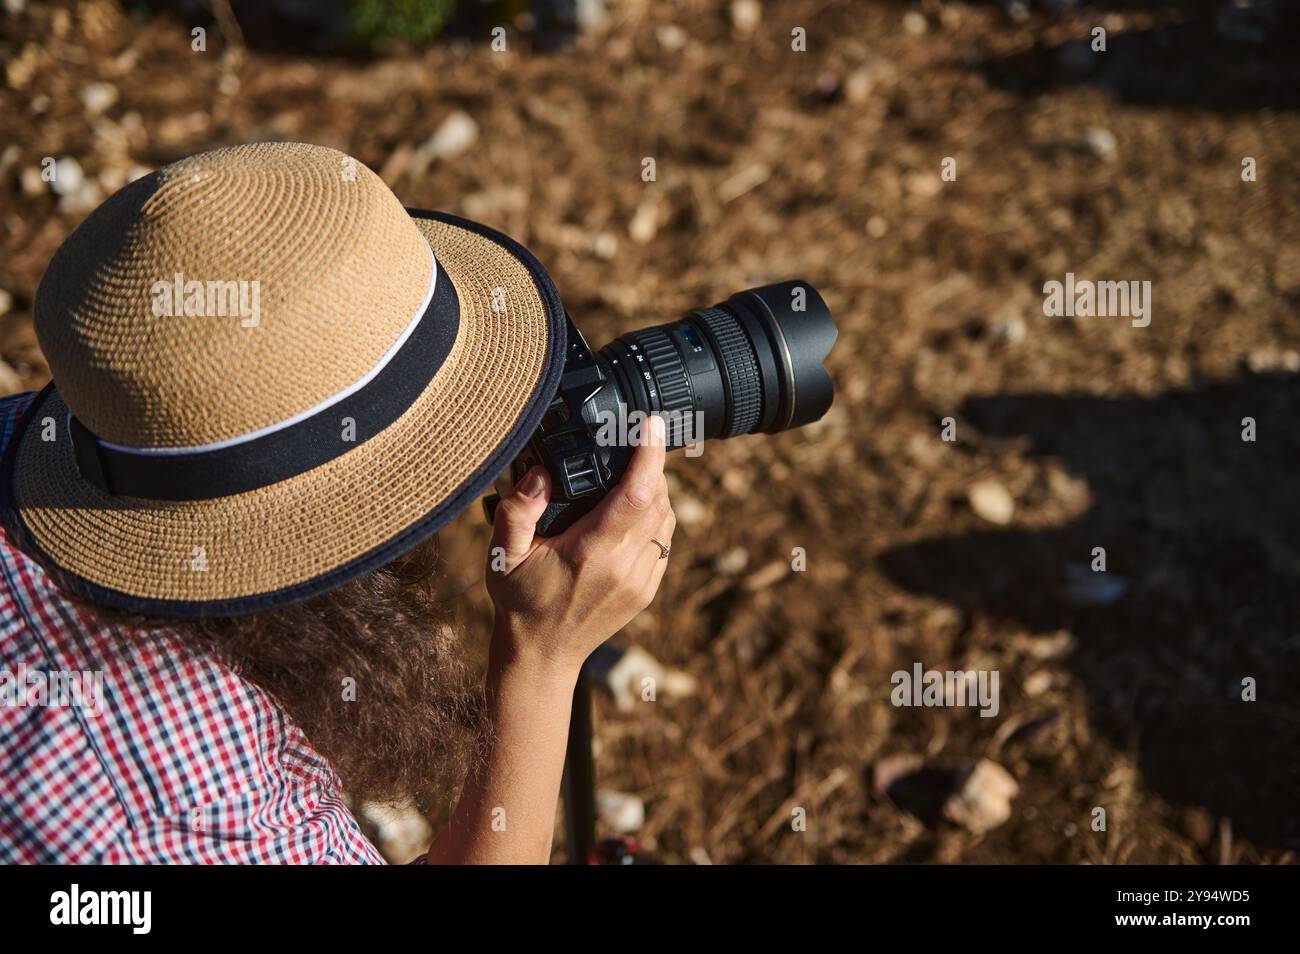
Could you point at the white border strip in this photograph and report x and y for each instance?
(311, 411)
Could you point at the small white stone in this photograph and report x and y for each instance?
(1037, 683)
(689, 510)
(457, 133)
(730, 562)
(983, 801)
(98, 97)
(31, 182)
(858, 86)
(1101, 143)
(1267, 360)
(87, 197)
(645, 221)
(671, 37)
(591, 14)
(604, 245)
(992, 502)
(1008, 325)
(68, 176)
(746, 15)
(403, 833)
(620, 812)
(1054, 646)
(628, 673)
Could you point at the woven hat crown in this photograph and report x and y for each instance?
(228, 292)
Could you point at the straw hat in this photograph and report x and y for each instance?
(269, 378)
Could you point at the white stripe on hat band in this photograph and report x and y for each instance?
(311, 411)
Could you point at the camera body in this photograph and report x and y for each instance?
(753, 363)
(565, 443)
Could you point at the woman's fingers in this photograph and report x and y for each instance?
(664, 536)
(514, 524)
(639, 496)
(650, 564)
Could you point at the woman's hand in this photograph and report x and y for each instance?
(558, 598)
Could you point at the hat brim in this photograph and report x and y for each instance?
(295, 539)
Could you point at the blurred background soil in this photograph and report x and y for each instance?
(1121, 690)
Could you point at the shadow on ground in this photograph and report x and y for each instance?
(1201, 531)
(1207, 54)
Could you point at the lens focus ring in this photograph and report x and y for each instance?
(670, 381)
(740, 366)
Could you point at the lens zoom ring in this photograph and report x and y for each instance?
(669, 372)
(740, 368)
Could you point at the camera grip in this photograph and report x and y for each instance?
(560, 514)
(563, 511)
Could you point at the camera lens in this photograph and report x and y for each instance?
(753, 363)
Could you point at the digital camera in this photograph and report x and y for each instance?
(751, 364)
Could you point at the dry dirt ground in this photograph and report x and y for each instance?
(1120, 691)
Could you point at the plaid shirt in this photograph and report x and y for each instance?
(182, 760)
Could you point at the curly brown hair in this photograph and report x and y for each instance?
(372, 672)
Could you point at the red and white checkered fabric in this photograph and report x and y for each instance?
(184, 762)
